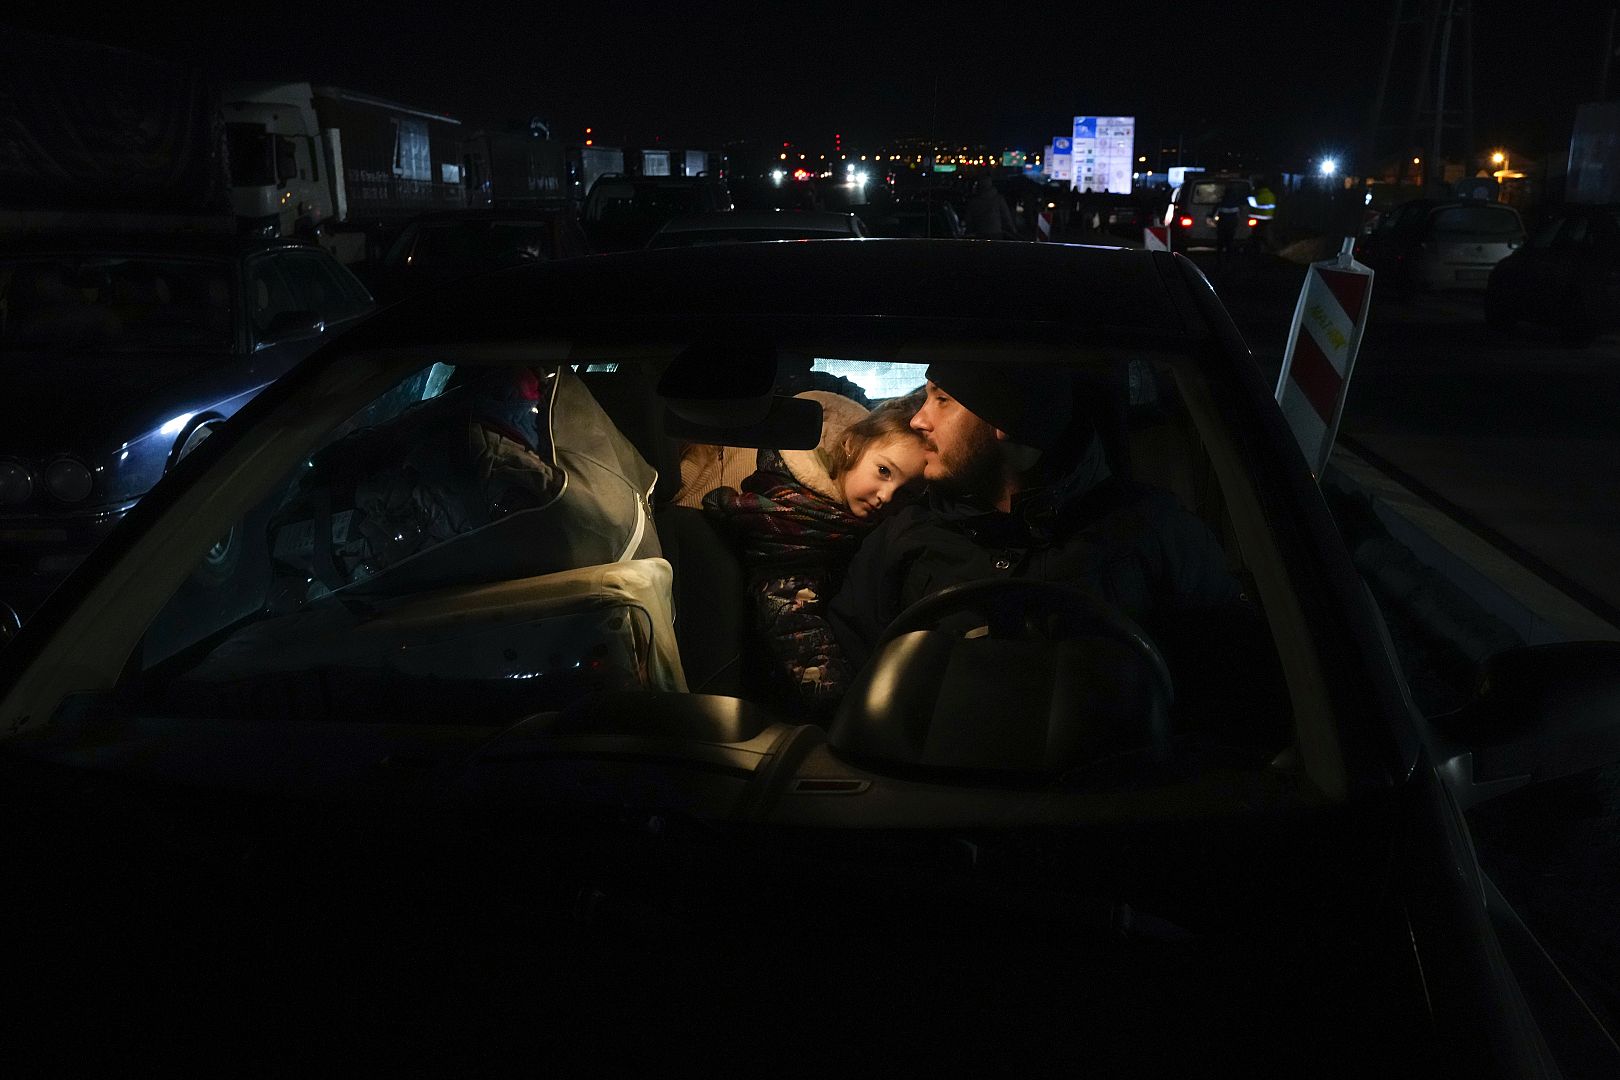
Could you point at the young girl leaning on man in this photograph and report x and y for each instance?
(801, 515)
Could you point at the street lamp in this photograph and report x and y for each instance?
(1329, 166)
(1503, 172)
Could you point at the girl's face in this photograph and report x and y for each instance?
(883, 468)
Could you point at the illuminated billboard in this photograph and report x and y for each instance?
(1104, 153)
(1061, 159)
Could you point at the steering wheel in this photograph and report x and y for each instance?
(1013, 604)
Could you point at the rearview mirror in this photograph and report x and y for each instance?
(1541, 712)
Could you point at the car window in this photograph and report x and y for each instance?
(400, 249)
(1602, 232)
(1208, 192)
(1411, 215)
(1487, 223)
(116, 302)
(235, 578)
(878, 379)
(318, 283)
(1547, 233)
(269, 293)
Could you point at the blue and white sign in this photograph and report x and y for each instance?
(1104, 153)
(1061, 159)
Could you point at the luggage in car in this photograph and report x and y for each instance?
(514, 648)
(514, 473)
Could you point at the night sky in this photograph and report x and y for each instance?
(1286, 80)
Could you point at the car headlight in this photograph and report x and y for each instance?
(16, 483)
(68, 480)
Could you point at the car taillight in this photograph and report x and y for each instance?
(1253, 222)
(1184, 222)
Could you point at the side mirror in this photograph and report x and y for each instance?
(287, 325)
(1541, 712)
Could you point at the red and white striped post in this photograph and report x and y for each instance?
(1043, 225)
(1156, 237)
(1329, 321)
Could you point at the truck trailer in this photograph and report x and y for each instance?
(506, 170)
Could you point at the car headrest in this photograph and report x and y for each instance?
(724, 393)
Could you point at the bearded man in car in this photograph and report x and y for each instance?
(1019, 487)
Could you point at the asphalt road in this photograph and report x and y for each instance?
(1516, 436)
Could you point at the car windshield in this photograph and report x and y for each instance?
(118, 303)
(252, 155)
(1496, 224)
(475, 542)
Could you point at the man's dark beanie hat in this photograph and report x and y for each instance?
(1032, 404)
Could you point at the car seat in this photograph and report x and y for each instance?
(712, 616)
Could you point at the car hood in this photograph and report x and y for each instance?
(90, 403)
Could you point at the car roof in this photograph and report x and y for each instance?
(810, 221)
(481, 214)
(218, 245)
(1450, 204)
(877, 290)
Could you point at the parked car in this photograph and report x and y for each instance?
(120, 355)
(1441, 243)
(1567, 276)
(480, 773)
(622, 212)
(446, 245)
(1192, 208)
(924, 219)
(738, 226)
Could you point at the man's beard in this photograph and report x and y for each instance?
(973, 470)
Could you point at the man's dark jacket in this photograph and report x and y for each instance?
(1131, 544)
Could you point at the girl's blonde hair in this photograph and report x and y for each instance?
(890, 420)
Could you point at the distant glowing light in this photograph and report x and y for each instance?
(1329, 166)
